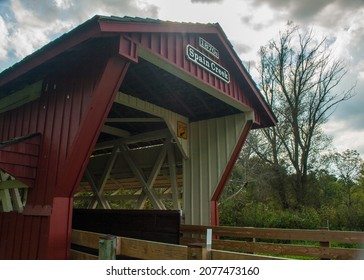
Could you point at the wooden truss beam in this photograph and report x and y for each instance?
(171, 118)
(115, 131)
(142, 137)
(133, 120)
(146, 185)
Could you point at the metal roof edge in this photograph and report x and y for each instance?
(56, 46)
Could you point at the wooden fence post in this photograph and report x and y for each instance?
(196, 251)
(107, 247)
(200, 251)
(325, 244)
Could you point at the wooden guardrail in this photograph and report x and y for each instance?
(278, 242)
(93, 246)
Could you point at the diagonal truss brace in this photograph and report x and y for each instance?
(99, 188)
(146, 185)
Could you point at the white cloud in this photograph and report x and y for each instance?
(345, 137)
(3, 39)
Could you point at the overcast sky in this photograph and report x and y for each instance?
(27, 25)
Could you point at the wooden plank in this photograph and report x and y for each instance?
(282, 249)
(224, 255)
(289, 249)
(133, 120)
(281, 234)
(12, 184)
(5, 201)
(77, 255)
(115, 131)
(150, 250)
(86, 238)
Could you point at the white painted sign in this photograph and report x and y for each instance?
(208, 47)
(207, 63)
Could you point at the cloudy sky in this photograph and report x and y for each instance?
(27, 25)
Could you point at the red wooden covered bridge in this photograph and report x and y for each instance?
(120, 112)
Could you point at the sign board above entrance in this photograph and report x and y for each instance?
(207, 63)
(208, 47)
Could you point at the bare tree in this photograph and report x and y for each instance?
(299, 79)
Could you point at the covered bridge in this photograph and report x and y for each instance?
(120, 111)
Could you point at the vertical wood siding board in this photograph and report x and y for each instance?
(43, 225)
(93, 123)
(171, 48)
(19, 236)
(144, 40)
(48, 148)
(192, 171)
(156, 44)
(11, 133)
(34, 114)
(35, 237)
(50, 127)
(63, 126)
(19, 120)
(81, 94)
(209, 158)
(26, 119)
(66, 124)
(163, 46)
(200, 177)
(1, 127)
(238, 96)
(214, 152)
(4, 234)
(35, 195)
(75, 113)
(224, 143)
(196, 177)
(1, 231)
(178, 50)
(56, 105)
(205, 172)
(60, 225)
(6, 127)
(25, 241)
(11, 235)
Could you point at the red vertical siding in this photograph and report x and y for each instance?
(74, 103)
(172, 47)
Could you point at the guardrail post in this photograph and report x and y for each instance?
(208, 243)
(107, 247)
